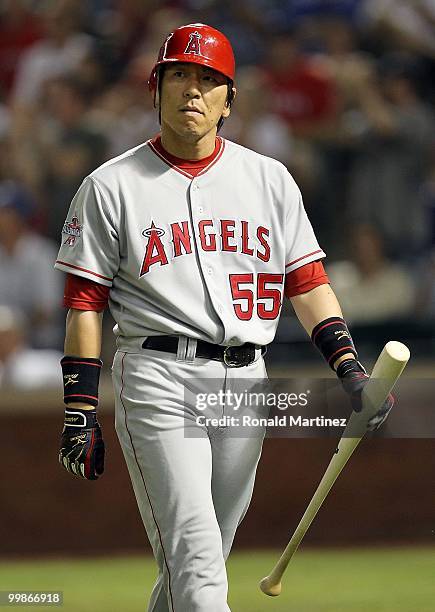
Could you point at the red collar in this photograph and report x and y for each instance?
(187, 167)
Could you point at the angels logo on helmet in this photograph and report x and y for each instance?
(193, 46)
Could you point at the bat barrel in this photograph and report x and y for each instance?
(386, 371)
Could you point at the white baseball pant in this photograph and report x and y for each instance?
(193, 484)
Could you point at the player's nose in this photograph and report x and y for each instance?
(192, 86)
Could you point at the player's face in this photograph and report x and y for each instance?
(193, 99)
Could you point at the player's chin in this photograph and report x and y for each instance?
(192, 123)
(191, 130)
(194, 130)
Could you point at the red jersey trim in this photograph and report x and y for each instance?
(305, 278)
(82, 293)
(64, 263)
(216, 159)
(303, 257)
(309, 286)
(167, 162)
(84, 304)
(182, 171)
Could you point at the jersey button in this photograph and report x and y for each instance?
(209, 271)
(200, 209)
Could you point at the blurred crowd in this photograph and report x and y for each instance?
(341, 91)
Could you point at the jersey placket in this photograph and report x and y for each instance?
(199, 212)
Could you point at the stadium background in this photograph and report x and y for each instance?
(340, 91)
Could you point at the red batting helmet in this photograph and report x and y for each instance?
(199, 44)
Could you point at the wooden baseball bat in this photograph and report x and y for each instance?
(389, 366)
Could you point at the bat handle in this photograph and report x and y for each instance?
(271, 586)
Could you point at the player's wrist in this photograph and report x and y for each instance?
(332, 338)
(79, 406)
(76, 418)
(345, 357)
(351, 367)
(81, 377)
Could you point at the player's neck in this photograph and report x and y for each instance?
(179, 147)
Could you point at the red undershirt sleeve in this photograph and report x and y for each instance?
(305, 278)
(84, 294)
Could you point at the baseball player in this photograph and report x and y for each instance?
(192, 241)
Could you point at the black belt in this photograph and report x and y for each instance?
(232, 356)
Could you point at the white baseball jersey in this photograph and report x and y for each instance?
(204, 257)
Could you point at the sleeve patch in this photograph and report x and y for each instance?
(73, 230)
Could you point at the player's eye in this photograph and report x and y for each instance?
(209, 78)
(178, 74)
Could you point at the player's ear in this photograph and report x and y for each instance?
(230, 99)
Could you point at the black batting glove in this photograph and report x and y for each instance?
(353, 377)
(82, 445)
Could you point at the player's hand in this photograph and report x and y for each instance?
(353, 378)
(82, 445)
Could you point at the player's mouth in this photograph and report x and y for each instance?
(191, 110)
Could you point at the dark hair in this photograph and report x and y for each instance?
(230, 100)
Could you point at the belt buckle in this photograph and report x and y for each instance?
(245, 356)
